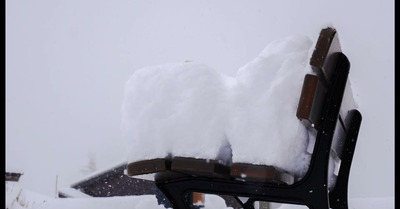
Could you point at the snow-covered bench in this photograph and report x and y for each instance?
(325, 107)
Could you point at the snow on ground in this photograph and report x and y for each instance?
(191, 110)
(359, 203)
(72, 193)
(18, 197)
(131, 202)
(30, 200)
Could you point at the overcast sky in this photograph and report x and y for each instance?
(67, 63)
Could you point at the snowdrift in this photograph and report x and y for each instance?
(190, 110)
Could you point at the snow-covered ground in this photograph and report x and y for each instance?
(19, 198)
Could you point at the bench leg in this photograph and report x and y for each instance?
(175, 196)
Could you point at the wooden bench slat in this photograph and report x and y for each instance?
(260, 173)
(311, 101)
(323, 61)
(201, 167)
(323, 58)
(148, 166)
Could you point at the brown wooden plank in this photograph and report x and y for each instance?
(148, 166)
(323, 62)
(311, 101)
(260, 173)
(199, 167)
(324, 55)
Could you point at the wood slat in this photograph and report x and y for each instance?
(260, 173)
(326, 49)
(148, 166)
(199, 167)
(323, 62)
(311, 102)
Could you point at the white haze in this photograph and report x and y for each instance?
(67, 62)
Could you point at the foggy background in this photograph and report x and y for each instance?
(67, 63)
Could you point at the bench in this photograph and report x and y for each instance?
(324, 107)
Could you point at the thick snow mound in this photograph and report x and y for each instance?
(177, 109)
(263, 127)
(190, 110)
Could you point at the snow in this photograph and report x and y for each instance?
(175, 108)
(72, 193)
(214, 202)
(376, 202)
(135, 202)
(263, 127)
(190, 110)
(19, 197)
(31, 200)
(64, 78)
(357, 203)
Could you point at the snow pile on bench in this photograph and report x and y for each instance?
(264, 128)
(175, 108)
(190, 110)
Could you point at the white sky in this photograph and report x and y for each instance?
(67, 62)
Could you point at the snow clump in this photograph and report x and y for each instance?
(190, 110)
(178, 109)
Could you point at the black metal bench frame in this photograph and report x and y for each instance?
(312, 190)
